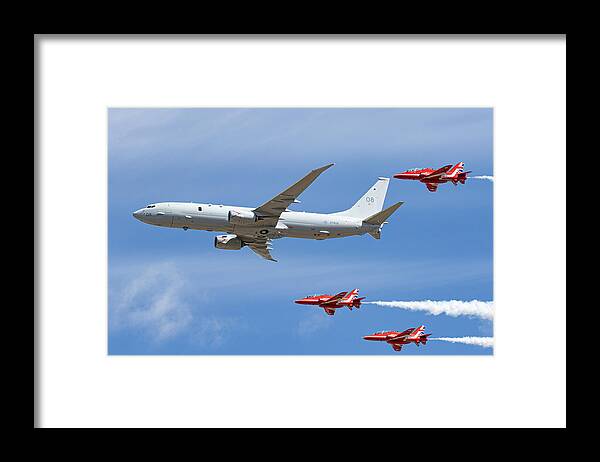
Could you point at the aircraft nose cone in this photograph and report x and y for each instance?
(137, 214)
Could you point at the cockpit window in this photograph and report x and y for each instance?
(150, 206)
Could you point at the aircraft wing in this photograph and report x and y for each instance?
(432, 187)
(270, 211)
(404, 333)
(333, 300)
(439, 172)
(260, 247)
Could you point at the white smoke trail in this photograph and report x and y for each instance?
(483, 177)
(486, 342)
(450, 307)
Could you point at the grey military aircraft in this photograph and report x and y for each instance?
(256, 227)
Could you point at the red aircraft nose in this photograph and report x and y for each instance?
(301, 301)
(404, 176)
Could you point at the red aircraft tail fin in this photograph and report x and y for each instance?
(416, 333)
(456, 170)
(352, 293)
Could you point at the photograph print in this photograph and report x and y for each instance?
(300, 231)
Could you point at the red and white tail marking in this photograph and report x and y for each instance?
(454, 171)
(415, 333)
(351, 295)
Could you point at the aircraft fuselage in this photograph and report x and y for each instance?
(211, 217)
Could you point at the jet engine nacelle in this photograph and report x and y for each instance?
(228, 242)
(241, 217)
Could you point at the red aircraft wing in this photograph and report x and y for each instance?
(404, 333)
(333, 300)
(439, 172)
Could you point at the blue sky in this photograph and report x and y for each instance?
(171, 292)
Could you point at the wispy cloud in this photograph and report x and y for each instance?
(314, 322)
(486, 342)
(151, 301)
(215, 269)
(453, 308)
(213, 331)
(218, 135)
(158, 302)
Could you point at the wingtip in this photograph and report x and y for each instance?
(325, 167)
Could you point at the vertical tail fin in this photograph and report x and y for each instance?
(351, 295)
(456, 170)
(416, 332)
(371, 202)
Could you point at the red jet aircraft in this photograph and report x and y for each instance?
(448, 173)
(331, 302)
(397, 339)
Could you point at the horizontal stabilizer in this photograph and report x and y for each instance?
(376, 234)
(380, 217)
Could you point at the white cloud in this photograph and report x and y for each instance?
(314, 322)
(212, 331)
(160, 302)
(152, 302)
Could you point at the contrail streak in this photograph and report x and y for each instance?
(486, 342)
(450, 307)
(483, 177)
